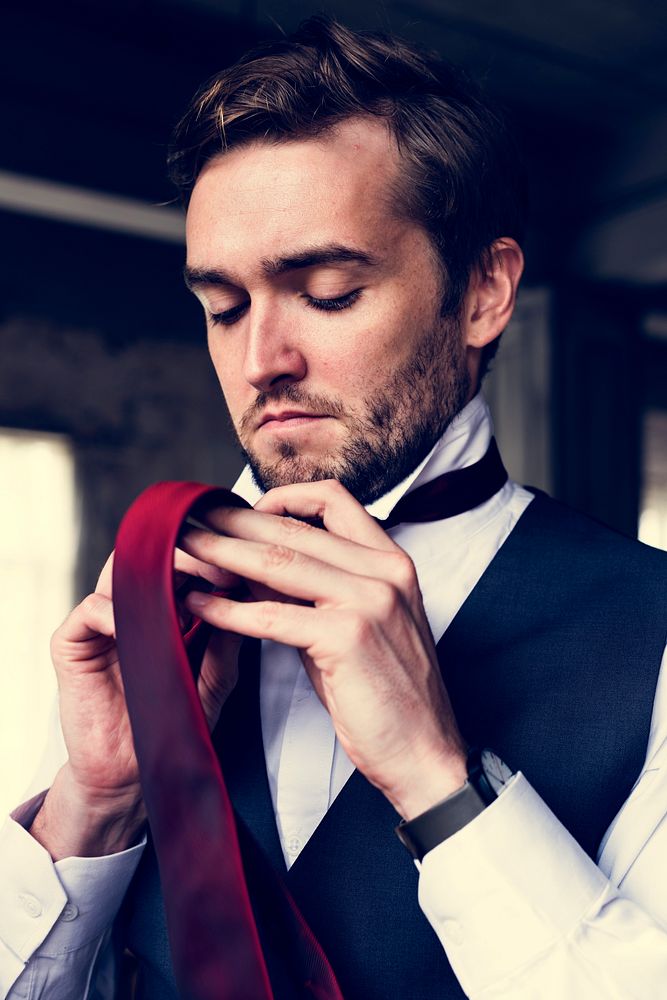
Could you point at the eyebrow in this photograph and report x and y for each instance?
(331, 253)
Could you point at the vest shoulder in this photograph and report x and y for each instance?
(570, 528)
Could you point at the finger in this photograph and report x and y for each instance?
(292, 624)
(186, 570)
(93, 617)
(219, 673)
(333, 505)
(283, 569)
(103, 585)
(193, 574)
(368, 577)
(354, 557)
(187, 567)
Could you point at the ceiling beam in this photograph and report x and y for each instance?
(64, 203)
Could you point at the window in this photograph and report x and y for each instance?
(653, 507)
(37, 555)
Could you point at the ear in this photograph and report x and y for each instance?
(492, 293)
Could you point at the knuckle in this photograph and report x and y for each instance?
(277, 556)
(291, 526)
(265, 615)
(207, 541)
(358, 628)
(404, 574)
(335, 487)
(89, 605)
(86, 611)
(385, 599)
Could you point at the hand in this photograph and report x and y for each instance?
(95, 804)
(347, 597)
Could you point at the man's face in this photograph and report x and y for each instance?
(323, 311)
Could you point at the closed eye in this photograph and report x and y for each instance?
(330, 305)
(230, 316)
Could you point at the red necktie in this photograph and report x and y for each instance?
(214, 941)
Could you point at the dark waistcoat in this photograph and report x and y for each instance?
(552, 661)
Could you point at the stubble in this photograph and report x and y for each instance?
(402, 420)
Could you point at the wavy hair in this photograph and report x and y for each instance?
(463, 180)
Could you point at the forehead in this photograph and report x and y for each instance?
(265, 198)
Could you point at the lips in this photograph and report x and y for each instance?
(286, 415)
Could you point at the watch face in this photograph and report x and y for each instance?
(496, 771)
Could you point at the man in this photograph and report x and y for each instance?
(353, 222)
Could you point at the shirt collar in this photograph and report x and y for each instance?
(464, 442)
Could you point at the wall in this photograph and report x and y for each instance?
(136, 414)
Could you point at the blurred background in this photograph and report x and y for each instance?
(105, 384)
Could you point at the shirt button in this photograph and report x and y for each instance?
(31, 905)
(293, 846)
(70, 912)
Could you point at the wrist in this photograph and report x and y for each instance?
(487, 777)
(429, 781)
(76, 822)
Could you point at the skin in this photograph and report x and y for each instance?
(346, 597)
(385, 372)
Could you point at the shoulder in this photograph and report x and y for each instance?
(560, 555)
(560, 526)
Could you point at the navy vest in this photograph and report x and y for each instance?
(552, 661)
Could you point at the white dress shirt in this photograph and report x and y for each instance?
(520, 909)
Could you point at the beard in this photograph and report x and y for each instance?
(402, 420)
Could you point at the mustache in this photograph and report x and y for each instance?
(289, 393)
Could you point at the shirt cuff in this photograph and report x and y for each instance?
(505, 887)
(56, 907)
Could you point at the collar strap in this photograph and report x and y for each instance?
(453, 492)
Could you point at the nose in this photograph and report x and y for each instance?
(272, 355)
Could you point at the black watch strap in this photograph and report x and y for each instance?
(430, 828)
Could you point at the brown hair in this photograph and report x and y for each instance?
(463, 180)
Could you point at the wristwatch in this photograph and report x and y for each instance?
(487, 776)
